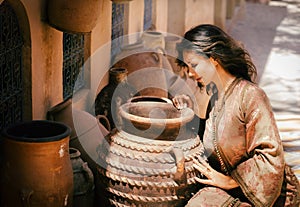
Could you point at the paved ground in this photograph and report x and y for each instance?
(271, 34)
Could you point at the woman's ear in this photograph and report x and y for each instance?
(214, 61)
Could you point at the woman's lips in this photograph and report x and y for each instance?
(199, 79)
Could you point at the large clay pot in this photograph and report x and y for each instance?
(147, 173)
(36, 168)
(139, 171)
(83, 195)
(145, 69)
(74, 16)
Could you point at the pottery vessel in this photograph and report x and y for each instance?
(83, 194)
(171, 53)
(73, 16)
(153, 40)
(117, 92)
(86, 129)
(155, 120)
(140, 170)
(36, 168)
(145, 69)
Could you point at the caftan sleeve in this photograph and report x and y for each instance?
(260, 176)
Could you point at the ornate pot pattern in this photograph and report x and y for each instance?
(141, 172)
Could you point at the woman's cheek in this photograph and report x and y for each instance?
(207, 71)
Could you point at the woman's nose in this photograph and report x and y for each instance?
(192, 73)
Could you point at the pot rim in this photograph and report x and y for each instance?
(187, 114)
(149, 98)
(25, 131)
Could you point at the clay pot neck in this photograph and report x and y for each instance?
(74, 153)
(117, 75)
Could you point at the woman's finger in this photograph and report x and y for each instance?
(199, 168)
(179, 102)
(204, 163)
(175, 102)
(204, 181)
(205, 169)
(206, 172)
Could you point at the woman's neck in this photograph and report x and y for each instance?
(225, 79)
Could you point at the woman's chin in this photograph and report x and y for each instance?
(200, 84)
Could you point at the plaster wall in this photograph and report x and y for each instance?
(46, 60)
(176, 16)
(160, 15)
(199, 12)
(182, 15)
(220, 13)
(43, 50)
(98, 63)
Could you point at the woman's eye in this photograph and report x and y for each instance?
(194, 65)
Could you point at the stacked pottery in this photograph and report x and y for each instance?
(149, 169)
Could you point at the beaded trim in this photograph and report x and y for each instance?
(214, 129)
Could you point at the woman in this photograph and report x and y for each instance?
(246, 165)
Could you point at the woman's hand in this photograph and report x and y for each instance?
(182, 101)
(214, 177)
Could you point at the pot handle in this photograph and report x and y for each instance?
(25, 196)
(180, 175)
(106, 121)
(89, 175)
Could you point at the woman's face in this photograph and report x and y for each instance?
(200, 68)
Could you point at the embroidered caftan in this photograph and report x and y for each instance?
(249, 144)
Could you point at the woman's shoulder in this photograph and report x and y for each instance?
(252, 94)
(250, 88)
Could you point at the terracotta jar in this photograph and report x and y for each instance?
(139, 172)
(86, 129)
(148, 172)
(171, 53)
(62, 112)
(155, 120)
(83, 194)
(117, 92)
(145, 69)
(73, 16)
(36, 169)
(153, 40)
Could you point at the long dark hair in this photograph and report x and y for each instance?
(211, 41)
